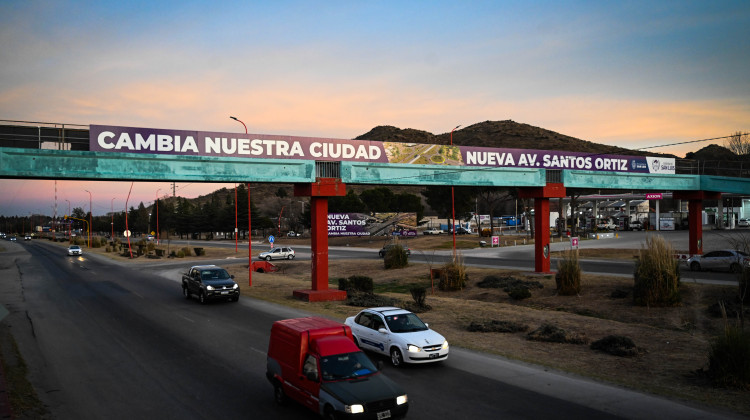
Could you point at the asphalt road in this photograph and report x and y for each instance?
(105, 340)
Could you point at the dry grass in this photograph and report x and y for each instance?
(675, 340)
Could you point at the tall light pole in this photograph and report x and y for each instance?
(91, 215)
(249, 226)
(235, 218)
(157, 215)
(70, 238)
(112, 223)
(453, 207)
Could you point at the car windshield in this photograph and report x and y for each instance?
(346, 366)
(403, 323)
(75, 247)
(214, 274)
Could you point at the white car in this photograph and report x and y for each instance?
(278, 253)
(75, 250)
(743, 223)
(433, 231)
(399, 334)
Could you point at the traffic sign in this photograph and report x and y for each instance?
(271, 238)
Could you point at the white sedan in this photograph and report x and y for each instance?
(75, 250)
(399, 334)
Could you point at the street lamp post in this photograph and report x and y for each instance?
(112, 223)
(157, 215)
(70, 238)
(91, 215)
(453, 207)
(249, 226)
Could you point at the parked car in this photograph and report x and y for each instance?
(399, 334)
(209, 282)
(387, 247)
(725, 260)
(743, 223)
(432, 231)
(75, 250)
(278, 253)
(315, 362)
(635, 225)
(293, 234)
(606, 225)
(462, 231)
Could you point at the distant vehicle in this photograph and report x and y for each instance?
(462, 231)
(75, 250)
(27, 237)
(606, 225)
(635, 225)
(387, 247)
(209, 282)
(725, 260)
(743, 223)
(432, 231)
(293, 234)
(12, 238)
(278, 253)
(399, 334)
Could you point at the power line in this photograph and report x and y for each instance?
(691, 141)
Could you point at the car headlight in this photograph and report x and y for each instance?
(401, 399)
(235, 286)
(445, 344)
(209, 287)
(356, 408)
(413, 349)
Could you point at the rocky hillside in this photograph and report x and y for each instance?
(500, 134)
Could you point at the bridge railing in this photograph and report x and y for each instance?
(735, 169)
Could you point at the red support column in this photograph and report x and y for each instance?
(695, 219)
(541, 196)
(319, 193)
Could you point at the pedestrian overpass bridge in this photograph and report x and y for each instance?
(319, 168)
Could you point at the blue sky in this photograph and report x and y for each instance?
(630, 73)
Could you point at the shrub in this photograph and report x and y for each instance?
(497, 326)
(355, 284)
(97, 242)
(181, 253)
(616, 345)
(552, 334)
(185, 251)
(568, 277)
(453, 275)
(657, 275)
(369, 300)
(729, 358)
(395, 257)
(519, 293)
(419, 294)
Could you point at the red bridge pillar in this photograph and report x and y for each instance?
(541, 196)
(695, 220)
(319, 193)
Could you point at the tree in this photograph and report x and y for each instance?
(439, 198)
(378, 200)
(739, 143)
(350, 203)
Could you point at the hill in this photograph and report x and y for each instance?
(501, 134)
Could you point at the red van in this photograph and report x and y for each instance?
(315, 362)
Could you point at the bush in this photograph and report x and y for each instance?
(185, 251)
(729, 359)
(507, 283)
(552, 334)
(97, 242)
(519, 293)
(395, 257)
(497, 326)
(453, 275)
(419, 294)
(355, 284)
(369, 300)
(616, 345)
(657, 275)
(568, 277)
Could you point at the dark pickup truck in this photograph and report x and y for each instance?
(209, 282)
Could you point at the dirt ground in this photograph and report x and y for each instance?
(673, 343)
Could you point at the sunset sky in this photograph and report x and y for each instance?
(630, 73)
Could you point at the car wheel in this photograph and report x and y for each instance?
(202, 298)
(290, 257)
(268, 258)
(695, 266)
(278, 395)
(735, 268)
(328, 413)
(235, 299)
(396, 358)
(185, 292)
